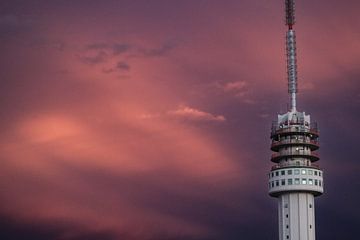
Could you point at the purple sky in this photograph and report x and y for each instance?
(150, 120)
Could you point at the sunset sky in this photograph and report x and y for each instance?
(150, 119)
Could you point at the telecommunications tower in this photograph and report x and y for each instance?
(295, 180)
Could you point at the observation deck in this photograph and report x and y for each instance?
(295, 179)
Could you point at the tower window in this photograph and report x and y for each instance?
(303, 181)
(287, 215)
(310, 205)
(290, 181)
(283, 172)
(316, 173)
(297, 171)
(316, 182)
(287, 236)
(310, 181)
(287, 226)
(277, 183)
(277, 173)
(303, 171)
(310, 172)
(320, 174)
(283, 182)
(289, 172)
(297, 181)
(310, 226)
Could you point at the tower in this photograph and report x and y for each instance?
(294, 179)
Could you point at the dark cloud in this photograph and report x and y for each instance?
(115, 49)
(120, 48)
(163, 50)
(11, 229)
(123, 66)
(13, 26)
(94, 57)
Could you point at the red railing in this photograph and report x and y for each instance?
(292, 153)
(313, 131)
(290, 141)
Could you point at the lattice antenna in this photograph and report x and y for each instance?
(290, 12)
(291, 52)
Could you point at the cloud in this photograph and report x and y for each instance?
(75, 153)
(188, 113)
(113, 49)
(93, 58)
(235, 86)
(123, 66)
(163, 50)
(12, 25)
(101, 52)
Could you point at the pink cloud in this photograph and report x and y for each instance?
(189, 113)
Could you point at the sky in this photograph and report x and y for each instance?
(150, 120)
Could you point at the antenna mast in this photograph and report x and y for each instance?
(291, 52)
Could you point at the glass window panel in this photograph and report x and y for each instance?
(303, 181)
(303, 171)
(297, 181)
(290, 181)
(289, 172)
(297, 171)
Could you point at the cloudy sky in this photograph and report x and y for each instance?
(150, 120)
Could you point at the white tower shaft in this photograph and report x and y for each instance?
(296, 216)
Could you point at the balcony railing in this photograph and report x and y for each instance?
(295, 126)
(277, 156)
(292, 129)
(275, 144)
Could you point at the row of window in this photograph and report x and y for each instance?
(297, 148)
(295, 172)
(296, 181)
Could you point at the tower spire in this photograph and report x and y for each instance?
(291, 52)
